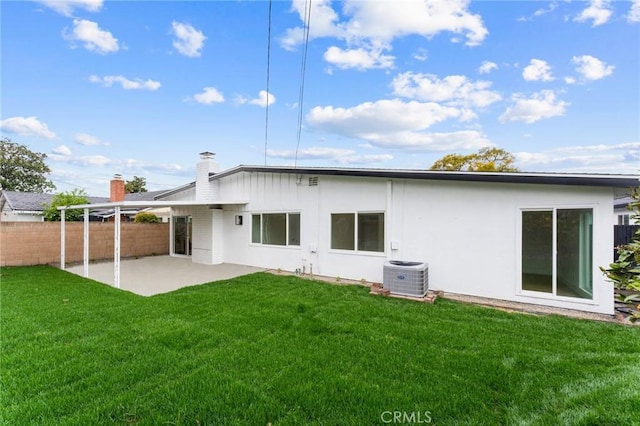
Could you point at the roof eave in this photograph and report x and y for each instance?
(612, 181)
(141, 204)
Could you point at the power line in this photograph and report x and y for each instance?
(303, 67)
(266, 115)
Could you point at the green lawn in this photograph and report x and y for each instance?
(264, 349)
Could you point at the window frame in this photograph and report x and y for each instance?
(261, 222)
(520, 291)
(356, 230)
(624, 220)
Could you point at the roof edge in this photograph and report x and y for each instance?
(581, 179)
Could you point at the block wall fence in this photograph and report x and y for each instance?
(38, 243)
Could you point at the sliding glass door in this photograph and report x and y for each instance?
(557, 252)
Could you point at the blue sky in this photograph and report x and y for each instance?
(140, 88)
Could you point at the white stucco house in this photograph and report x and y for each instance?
(535, 238)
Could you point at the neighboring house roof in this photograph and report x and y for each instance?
(26, 201)
(143, 196)
(621, 202)
(34, 202)
(602, 180)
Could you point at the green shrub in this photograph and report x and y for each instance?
(146, 217)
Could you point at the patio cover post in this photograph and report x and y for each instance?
(116, 248)
(62, 238)
(86, 243)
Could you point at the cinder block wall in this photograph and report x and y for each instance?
(38, 243)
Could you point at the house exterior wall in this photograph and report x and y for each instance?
(469, 233)
(11, 216)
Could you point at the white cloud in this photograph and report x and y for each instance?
(591, 68)
(89, 160)
(540, 105)
(570, 80)
(422, 54)
(261, 100)
(337, 155)
(88, 140)
(62, 150)
(188, 40)
(93, 38)
(396, 124)
(370, 26)
(380, 116)
(487, 66)
(26, 126)
(539, 12)
(325, 23)
(360, 58)
(137, 84)
(431, 141)
(67, 7)
(537, 70)
(634, 12)
(598, 11)
(208, 96)
(552, 6)
(454, 90)
(617, 158)
(385, 20)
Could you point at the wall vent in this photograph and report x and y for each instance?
(313, 181)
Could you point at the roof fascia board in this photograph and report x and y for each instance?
(175, 190)
(617, 181)
(141, 204)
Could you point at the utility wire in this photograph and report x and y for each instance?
(303, 67)
(266, 114)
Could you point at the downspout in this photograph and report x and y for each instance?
(388, 220)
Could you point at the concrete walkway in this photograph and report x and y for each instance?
(161, 274)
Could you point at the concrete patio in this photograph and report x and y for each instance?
(148, 276)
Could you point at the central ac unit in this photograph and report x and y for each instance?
(406, 278)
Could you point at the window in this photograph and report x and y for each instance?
(294, 229)
(557, 252)
(365, 229)
(276, 229)
(623, 219)
(343, 230)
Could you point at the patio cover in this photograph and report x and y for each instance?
(117, 206)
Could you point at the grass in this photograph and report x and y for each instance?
(263, 349)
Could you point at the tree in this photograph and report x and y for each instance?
(625, 272)
(146, 217)
(137, 184)
(22, 169)
(485, 160)
(77, 196)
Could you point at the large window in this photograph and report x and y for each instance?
(357, 231)
(276, 229)
(557, 252)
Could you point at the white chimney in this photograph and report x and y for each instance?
(206, 167)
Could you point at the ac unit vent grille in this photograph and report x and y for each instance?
(313, 181)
